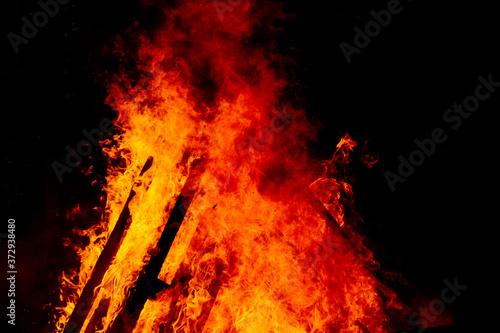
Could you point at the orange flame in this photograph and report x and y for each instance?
(253, 254)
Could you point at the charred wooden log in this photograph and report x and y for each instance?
(86, 300)
(148, 284)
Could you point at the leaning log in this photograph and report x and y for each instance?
(147, 284)
(87, 297)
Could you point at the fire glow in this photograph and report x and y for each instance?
(265, 242)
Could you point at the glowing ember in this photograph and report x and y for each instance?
(256, 251)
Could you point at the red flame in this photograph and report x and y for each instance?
(256, 251)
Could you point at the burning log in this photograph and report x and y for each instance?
(148, 284)
(99, 314)
(86, 300)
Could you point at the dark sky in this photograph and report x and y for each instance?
(439, 224)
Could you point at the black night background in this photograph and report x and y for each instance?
(438, 224)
